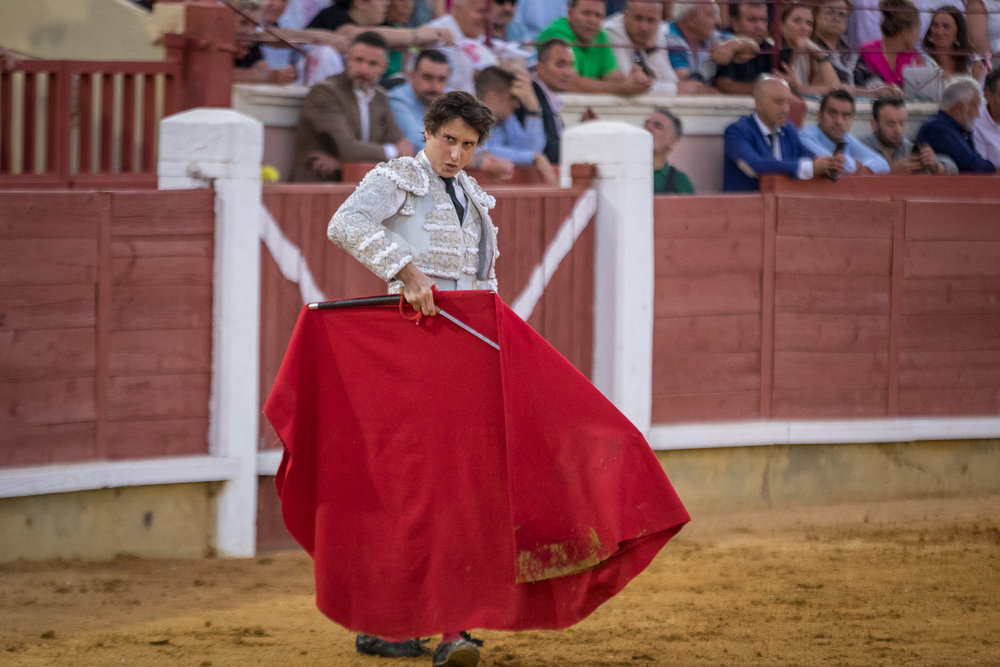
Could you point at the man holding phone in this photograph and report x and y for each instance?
(832, 137)
(888, 138)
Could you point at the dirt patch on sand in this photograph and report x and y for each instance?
(904, 583)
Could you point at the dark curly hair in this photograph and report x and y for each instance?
(459, 104)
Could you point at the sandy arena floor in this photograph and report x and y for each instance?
(903, 583)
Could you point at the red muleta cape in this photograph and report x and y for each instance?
(442, 485)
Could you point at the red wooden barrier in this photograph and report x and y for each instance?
(62, 93)
(806, 307)
(105, 325)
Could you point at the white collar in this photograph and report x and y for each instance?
(764, 129)
(364, 95)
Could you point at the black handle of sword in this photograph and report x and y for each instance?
(388, 300)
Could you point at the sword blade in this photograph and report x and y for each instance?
(469, 329)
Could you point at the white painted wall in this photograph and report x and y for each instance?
(224, 148)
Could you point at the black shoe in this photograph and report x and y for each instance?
(459, 653)
(469, 638)
(372, 645)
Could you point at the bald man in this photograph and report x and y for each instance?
(765, 142)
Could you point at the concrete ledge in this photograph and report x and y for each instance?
(15, 482)
(268, 461)
(722, 480)
(174, 521)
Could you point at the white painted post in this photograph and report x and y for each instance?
(201, 148)
(623, 260)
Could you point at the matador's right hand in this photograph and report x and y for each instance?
(418, 289)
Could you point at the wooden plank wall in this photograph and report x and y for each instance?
(105, 325)
(850, 307)
(528, 219)
(707, 308)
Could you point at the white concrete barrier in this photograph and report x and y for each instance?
(623, 260)
(224, 148)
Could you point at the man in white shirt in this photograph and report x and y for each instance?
(345, 118)
(640, 38)
(986, 131)
(467, 22)
(832, 135)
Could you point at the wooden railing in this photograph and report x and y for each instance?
(84, 124)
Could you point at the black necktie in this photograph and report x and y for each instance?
(449, 186)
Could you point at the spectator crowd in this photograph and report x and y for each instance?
(374, 66)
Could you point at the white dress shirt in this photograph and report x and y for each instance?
(986, 136)
(364, 98)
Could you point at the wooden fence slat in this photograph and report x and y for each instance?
(103, 342)
(39, 215)
(843, 218)
(701, 256)
(707, 217)
(161, 307)
(949, 295)
(707, 333)
(952, 221)
(162, 246)
(128, 123)
(896, 304)
(162, 271)
(149, 123)
(6, 121)
(947, 402)
(818, 332)
(158, 397)
(165, 352)
(47, 443)
(953, 259)
(163, 213)
(39, 402)
(47, 262)
(951, 332)
(47, 307)
(29, 122)
(85, 105)
(106, 160)
(767, 311)
(47, 353)
(707, 295)
(157, 437)
(833, 256)
(937, 370)
(720, 406)
(829, 403)
(804, 370)
(821, 294)
(705, 373)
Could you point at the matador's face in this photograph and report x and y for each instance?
(451, 147)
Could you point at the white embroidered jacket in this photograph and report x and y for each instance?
(401, 213)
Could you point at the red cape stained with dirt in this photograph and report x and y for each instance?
(442, 485)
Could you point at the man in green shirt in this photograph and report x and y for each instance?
(666, 129)
(596, 66)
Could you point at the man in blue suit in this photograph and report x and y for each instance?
(766, 143)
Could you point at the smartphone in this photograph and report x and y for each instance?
(841, 146)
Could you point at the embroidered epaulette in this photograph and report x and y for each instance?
(477, 193)
(405, 172)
